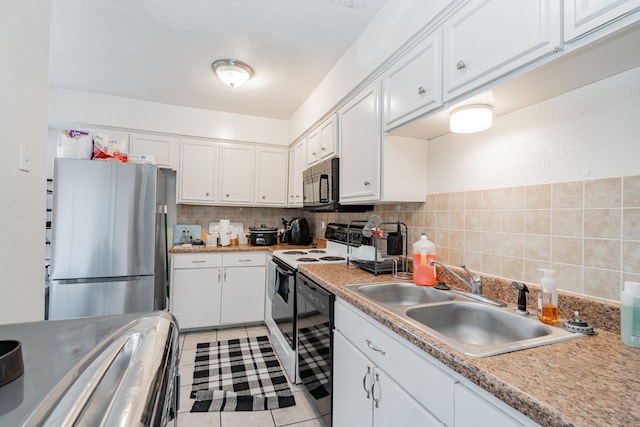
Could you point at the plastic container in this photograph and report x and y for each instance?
(548, 298)
(630, 314)
(423, 251)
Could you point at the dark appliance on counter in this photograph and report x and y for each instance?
(296, 232)
(263, 235)
(321, 189)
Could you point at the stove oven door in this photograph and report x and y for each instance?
(283, 308)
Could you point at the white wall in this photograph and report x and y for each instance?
(591, 132)
(68, 107)
(24, 50)
(396, 22)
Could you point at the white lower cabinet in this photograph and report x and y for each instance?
(380, 379)
(209, 290)
(365, 396)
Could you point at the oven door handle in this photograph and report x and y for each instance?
(284, 272)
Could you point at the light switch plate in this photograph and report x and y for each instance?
(193, 230)
(25, 157)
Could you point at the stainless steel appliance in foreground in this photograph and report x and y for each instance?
(99, 371)
(106, 221)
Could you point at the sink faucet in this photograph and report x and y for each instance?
(476, 282)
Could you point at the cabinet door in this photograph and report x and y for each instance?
(352, 375)
(271, 176)
(197, 173)
(296, 163)
(236, 174)
(163, 148)
(584, 16)
(328, 138)
(486, 39)
(243, 291)
(394, 407)
(312, 147)
(473, 411)
(195, 297)
(360, 143)
(413, 85)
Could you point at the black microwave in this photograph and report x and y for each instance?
(321, 188)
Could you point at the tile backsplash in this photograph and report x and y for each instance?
(588, 231)
(250, 217)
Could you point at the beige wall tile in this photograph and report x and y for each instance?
(473, 241)
(456, 239)
(537, 196)
(566, 250)
(512, 198)
(603, 223)
(512, 268)
(490, 264)
(430, 203)
(513, 244)
(473, 220)
(491, 199)
(603, 193)
(567, 195)
(442, 219)
(568, 277)
(537, 247)
(442, 238)
(473, 200)
(531, 273)
(513, 221)
(429, 220)
(631, 257)
(537, 221)
(442, 202)
(456, 219)
(631, 224)
(456, 256)
(473, 260)
(491, 243)
(629, 277)
(567, 222)
(456, 201)
(602, 283)
(631, 192)
(491, 220)
(443, 255)
(602, 253)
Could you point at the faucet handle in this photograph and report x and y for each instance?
(473, 276)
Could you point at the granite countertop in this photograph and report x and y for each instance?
(589, 381)
(197, 249)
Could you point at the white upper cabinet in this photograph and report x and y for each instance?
(296, 166)
(237, 163)
(583, 16)
(322, 141)
(413, 84)
(271, 176)
(197, 175)
(487, 39)
(360, 131)
(163, 148)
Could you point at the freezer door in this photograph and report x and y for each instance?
(68, 300)
(103, 219)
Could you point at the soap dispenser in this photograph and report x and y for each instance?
(548, 298)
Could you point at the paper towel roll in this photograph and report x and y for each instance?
(225, 232)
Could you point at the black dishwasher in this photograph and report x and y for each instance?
(314, 313)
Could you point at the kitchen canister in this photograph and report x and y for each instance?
(630, 314)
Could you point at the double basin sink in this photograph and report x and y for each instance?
(473, 328)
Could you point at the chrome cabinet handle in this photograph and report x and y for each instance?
(198, 261)
(374, 347)
(227, 195)
(224, 275)
(323, 149)
(373, 391)
(219, 271)
(421, 91)
(364, 382)
(461, 65)
(367, 183)
(264, 197)
(245, 260)
(206, 194)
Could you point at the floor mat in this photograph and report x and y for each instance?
(239, 375)
(315, 359)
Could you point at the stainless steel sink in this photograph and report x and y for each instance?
(473, 328)
(400, 293)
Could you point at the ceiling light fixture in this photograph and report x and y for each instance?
(471, 118)
(232, 72)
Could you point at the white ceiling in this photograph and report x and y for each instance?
(162, 50)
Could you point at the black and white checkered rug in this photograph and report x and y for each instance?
(315, 359)
(239, 375)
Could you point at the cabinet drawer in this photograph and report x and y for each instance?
(244, 259)
(196, 260)
(430, 386)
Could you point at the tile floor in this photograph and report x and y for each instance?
(301, 415)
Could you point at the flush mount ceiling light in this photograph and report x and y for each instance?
(232, 72)
(471, 118)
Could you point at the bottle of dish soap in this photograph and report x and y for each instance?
(630, 314)
(423, 251)
(548, 298)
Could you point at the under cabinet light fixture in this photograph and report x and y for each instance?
(232, 72)
(471, 118)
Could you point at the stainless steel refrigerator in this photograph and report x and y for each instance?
(108, 237)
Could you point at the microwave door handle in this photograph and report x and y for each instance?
(324, 196)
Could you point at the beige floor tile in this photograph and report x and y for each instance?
(186, 374)
(199, 419)
(301, 411)
(185, 401)
(228, 334)
(192, 339)
(317, 422)
(247, 419)
(257, 331)
(187, 357)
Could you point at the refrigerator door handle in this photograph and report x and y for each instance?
(101, 279)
